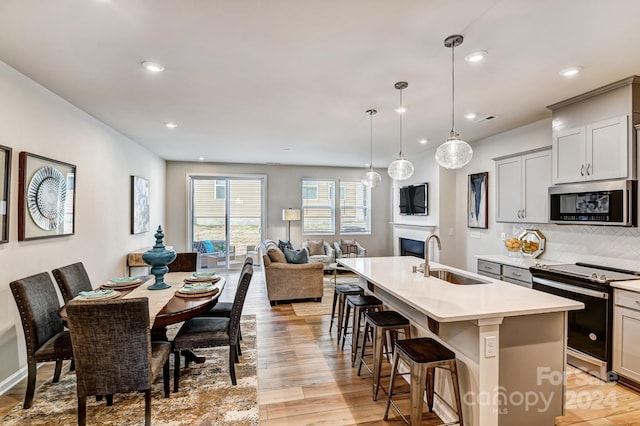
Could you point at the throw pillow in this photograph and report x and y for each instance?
(199, 247)
(208, 246)
(316, 247)
(296, 256)
(276, 256)
(284, 244)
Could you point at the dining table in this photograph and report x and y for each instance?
(167, 307)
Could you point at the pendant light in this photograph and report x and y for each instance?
(371, 178)
(400, 169)
(454, 153)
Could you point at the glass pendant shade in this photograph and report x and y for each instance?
(454, 153)
(371, 178)
(400, 169)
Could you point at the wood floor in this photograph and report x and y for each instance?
(305, 379)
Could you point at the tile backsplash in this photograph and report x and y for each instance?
(603, 245)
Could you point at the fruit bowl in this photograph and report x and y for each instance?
(513, 245)
(532, 243)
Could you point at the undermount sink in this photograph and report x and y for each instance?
(455, 278)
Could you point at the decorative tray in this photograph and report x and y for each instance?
(533, 243)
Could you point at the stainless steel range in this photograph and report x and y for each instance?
(589, 331)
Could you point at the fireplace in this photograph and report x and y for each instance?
(410, 247)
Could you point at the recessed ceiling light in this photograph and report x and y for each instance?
(424, 141)
(170, 125)
(400, 109)
(470, 115)
(152, 66)
(476, 56)
(570, 72)
(201, 158)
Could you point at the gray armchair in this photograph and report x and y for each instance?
(320, 251)
(349, 248)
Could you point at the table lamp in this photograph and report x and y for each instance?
(289, 215)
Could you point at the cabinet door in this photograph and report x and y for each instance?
(509, 187)
(568, 154)
(626, 343)
(607, 149)
(536, 170)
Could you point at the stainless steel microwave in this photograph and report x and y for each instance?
(594, 203)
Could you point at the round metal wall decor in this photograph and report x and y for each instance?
(46, 196)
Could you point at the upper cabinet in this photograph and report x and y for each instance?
(593, 137)
(522, 183)
(596, 151)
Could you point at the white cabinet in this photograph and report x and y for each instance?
(522, 187)
(626, 334)
(508, 273)
(596, 151)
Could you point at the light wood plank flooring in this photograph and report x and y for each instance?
(305, 379)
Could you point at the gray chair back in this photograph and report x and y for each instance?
(238, 301)
(111, 345)
(184, 262)
(72, 279)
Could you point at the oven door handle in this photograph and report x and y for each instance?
(571, 288)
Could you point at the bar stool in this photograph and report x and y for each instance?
(360, 305)
(422, 355)
(381, 323)
(339, 295)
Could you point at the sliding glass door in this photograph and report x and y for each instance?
(226, 219)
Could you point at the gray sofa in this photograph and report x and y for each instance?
(289, 281)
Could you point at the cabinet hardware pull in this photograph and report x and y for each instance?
(524, 213)
(638, 302)
(588, 167)
(489, 268)
(581, 169)
(517, 274)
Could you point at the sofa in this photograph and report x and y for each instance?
(289, 281)
(325, 255)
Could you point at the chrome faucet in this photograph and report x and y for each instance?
(427, 270)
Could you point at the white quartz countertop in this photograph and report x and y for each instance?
(446, 302)
(519, 262)
(633, 285)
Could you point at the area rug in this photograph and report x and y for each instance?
(304, 309)
(206, 395)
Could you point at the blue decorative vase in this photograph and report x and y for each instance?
(159, 257)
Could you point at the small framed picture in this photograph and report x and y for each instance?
(46, 197)
(139, 205)
(477, 210)
(5, 186)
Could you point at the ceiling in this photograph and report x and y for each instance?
(289, 81)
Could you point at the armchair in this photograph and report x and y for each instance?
(320, 251)
(212, 251)
(349, 248)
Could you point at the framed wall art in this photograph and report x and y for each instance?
(47, 197)
(139, 205)
(477, 211)
(5, 186)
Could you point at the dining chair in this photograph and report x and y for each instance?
(72, 279)
(184, 262)
(113, 350)
(204, 332)
(44, 332)
(223, 309)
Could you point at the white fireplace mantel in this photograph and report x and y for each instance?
(411, 231)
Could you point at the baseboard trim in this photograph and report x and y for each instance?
(13, 380)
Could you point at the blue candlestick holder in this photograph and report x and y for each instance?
(159, 257)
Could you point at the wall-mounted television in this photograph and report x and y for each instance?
(414, 199)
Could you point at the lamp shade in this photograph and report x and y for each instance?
(290, 214)
(371, 178)
(400, 169)
(454, 153)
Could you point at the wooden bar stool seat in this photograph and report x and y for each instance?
(339, 295)
(381, 323)
(422, 355)
(360, 305)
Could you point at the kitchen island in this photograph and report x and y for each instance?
(510, 341)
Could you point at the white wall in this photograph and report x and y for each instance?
(283, 191)
(37, 121)
(614, 246)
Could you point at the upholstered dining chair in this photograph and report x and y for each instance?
(204, 332)
(223, 309)
(185, 262)
(113, 350)
(44, 333)
(72, 279)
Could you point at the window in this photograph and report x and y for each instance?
(221, 187)
(355, 208)
(318, 207)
